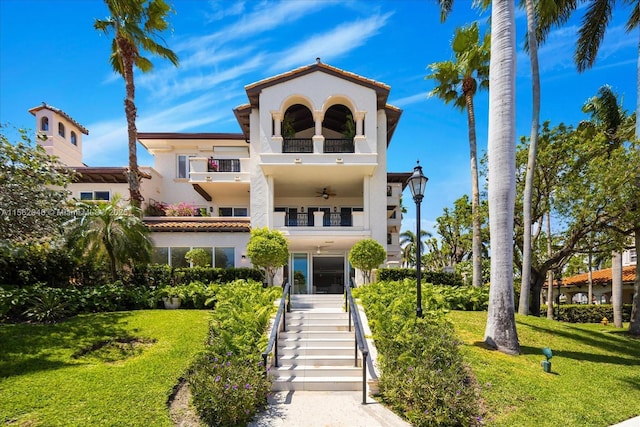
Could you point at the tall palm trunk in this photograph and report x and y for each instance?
(133, 174)
(525, 285)
(550, 273)
(468, 87)
(634, 324)
(500, 332)
(616, 288)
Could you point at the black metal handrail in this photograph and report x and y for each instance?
(297, 145)
(279, 321)
(339, 145)
(361, 342)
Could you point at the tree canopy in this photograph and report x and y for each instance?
(366, 255)
(269, 250)
(32, 195)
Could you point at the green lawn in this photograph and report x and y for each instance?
(595, 379)
(109, 369)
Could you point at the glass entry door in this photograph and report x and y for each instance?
(300, 273)
(328, 274)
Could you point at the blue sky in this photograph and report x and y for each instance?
(50, 52)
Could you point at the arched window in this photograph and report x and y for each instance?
(44, 123)
(74, 138)
(61, 129)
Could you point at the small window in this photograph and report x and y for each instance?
(233, 212)
(44, 123)
(101, 195)
(61, 130)
(74, 138)
(183, 166)
(160, 255)
(95, 195)
(224, 258)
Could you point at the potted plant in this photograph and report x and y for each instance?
(171, 296)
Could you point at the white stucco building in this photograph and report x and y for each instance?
(310, 161)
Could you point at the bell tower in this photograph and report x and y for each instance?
(59, 134)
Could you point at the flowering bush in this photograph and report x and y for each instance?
(228, 390)
(228, 381)
(181, 209)
(213, 165)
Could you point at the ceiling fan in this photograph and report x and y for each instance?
(325, 193)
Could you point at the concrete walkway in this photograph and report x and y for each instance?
(325, 409)
(633, 422)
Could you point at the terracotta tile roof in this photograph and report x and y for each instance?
(600, 276)
(201, 224)
(62, 113)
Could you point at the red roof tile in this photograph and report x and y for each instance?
(200, 224)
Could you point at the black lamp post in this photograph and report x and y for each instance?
(559, 279)
(417, 182)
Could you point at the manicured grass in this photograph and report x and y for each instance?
(103, 369)
(595, 379)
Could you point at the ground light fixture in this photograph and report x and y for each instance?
(417, 183)
(546, 364)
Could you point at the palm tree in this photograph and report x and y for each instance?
(457, 81)
(608, 116)
(500, 331)
(109, 229)
(409, 243)
(136, 24)
(527, 198)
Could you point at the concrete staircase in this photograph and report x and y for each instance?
(317, 352)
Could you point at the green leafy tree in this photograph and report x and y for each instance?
(198, 257)
(269, 250)
(136, 26)
(32, 194)
(367, 255)
(111, 230)
(457, 81)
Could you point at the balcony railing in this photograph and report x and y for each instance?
(297, 220)
(340, 145)
(336, 219)
(223, 165)
(297, 145)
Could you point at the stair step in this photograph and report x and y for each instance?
(318, 384)
(300, 341)
(316, 360)
(316, 335)
(317, 371)
(316, 351)
(308, 327)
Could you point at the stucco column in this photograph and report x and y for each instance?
(359, 119)
(317, 118)
(277, 123)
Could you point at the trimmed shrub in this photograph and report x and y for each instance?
(423, 376)
(159, 275)
(588, 313)
(433, 277)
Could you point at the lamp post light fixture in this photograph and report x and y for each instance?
(559, 279)
(417, 183)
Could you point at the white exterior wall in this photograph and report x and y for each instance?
(67, 153)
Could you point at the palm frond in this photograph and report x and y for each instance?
(591, 33)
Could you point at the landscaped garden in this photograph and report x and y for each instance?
(438, 371)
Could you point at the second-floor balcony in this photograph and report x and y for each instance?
(306, 145)
(210, 169)
(318, 219)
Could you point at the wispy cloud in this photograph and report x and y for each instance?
(408, 100)
(331, 45)
(109, 138)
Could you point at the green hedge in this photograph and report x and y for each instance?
(588, 313)
(433, 277)
(158, 275)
